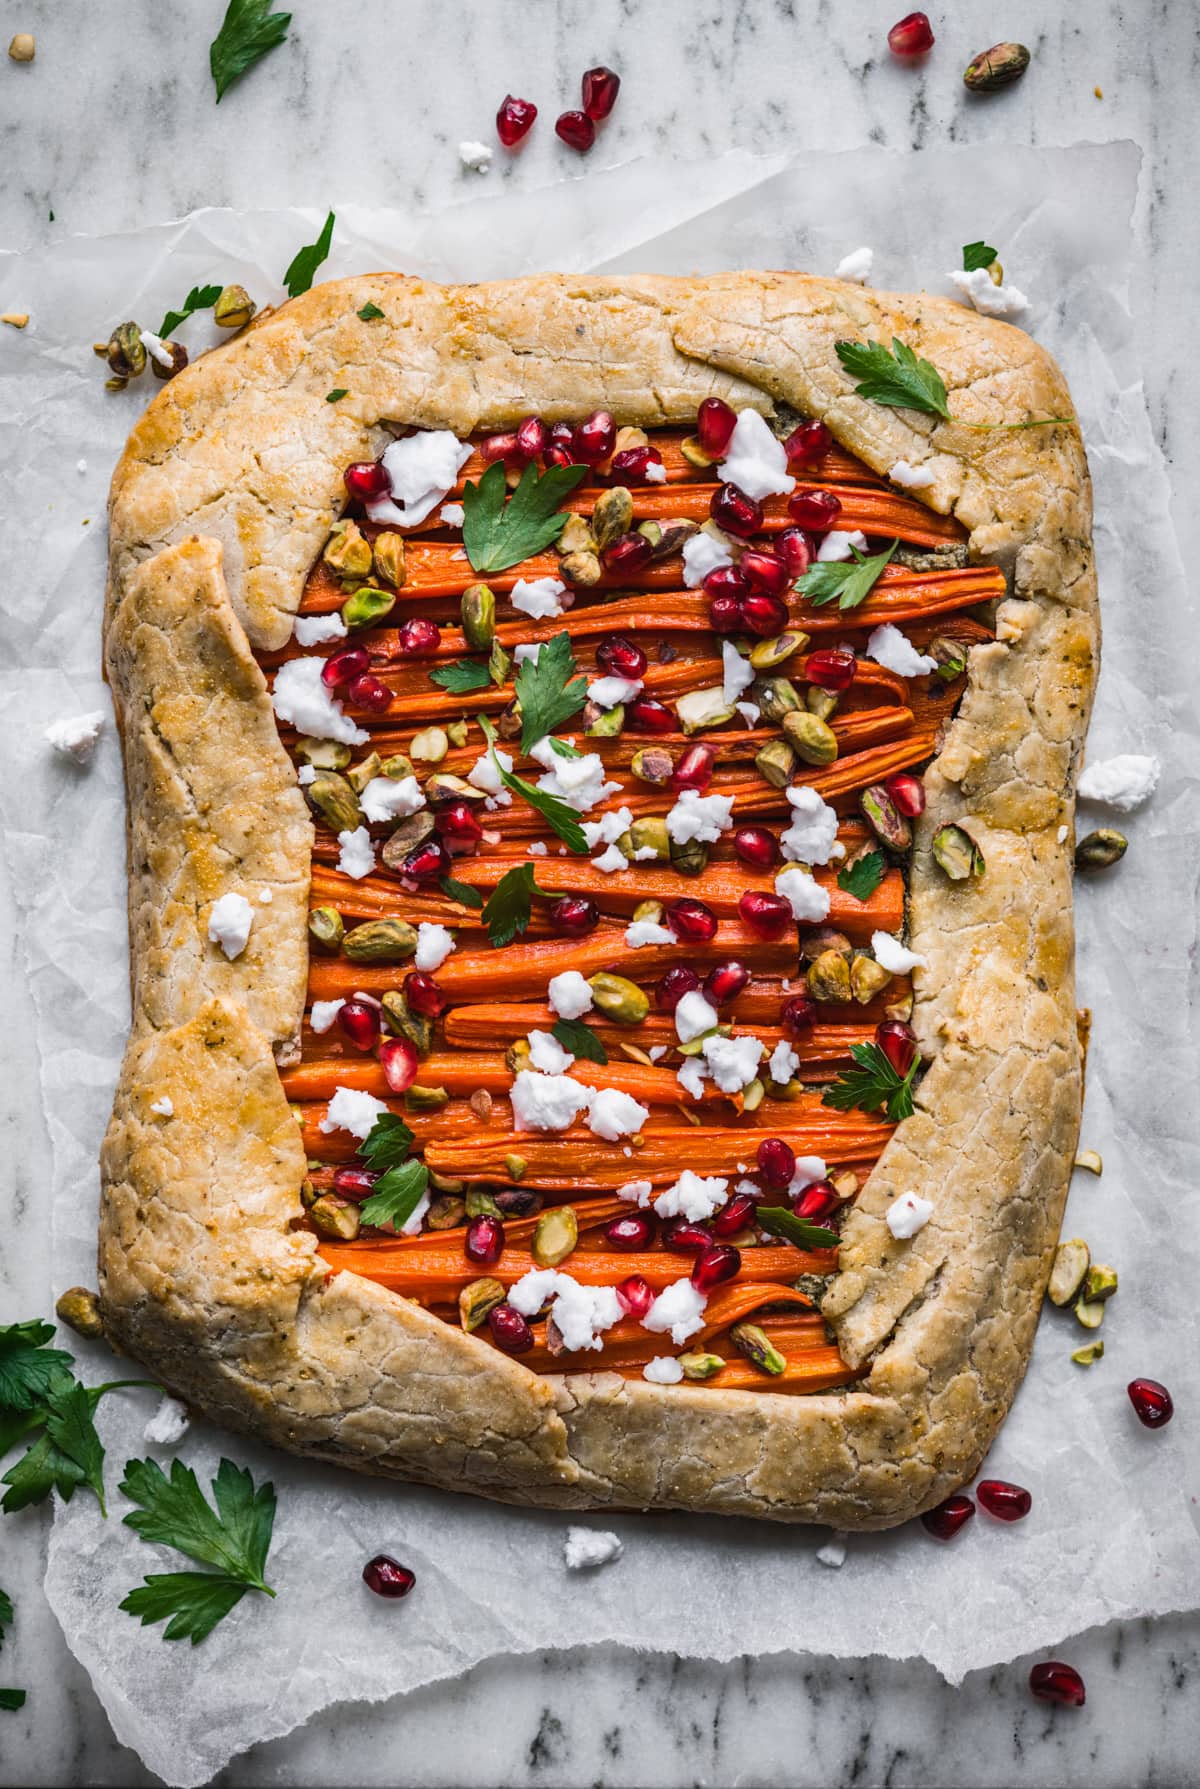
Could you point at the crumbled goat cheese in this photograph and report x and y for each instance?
(608, 828)
(158, 348)
(856, 266)
(547, 1102)
(356, 856)
(323, 1013)
(353, 1111)
(422, 469)
(1062, 834)
(893, 956)
(581, 1313)
(664, 1369)
(694, 1016)
(989, 299)
(169, 1424)
(678, 1308)
(164, 1107)
(434, 945)
(547, 1055)
(577, 781)
(317, 630)
(703, 553)
(1124, 782)
(306, 775)
(76, 738)
(784, 1062)
(391, 798)
(586, 1547)
(832, 1554)
(809, 1168)
(756, 461)
(806, 898)
(647, 931)
(693, 1196)
(732, 1061)
(229, 924)
(837, 543)
(615, 1114)
(655, 473)
(749, 711)
(299, 696)
(911, 478)
(528, 650)
(611, 861)
(691, 1075)
(265, 896)
(813, 832)
(537, 848)
(656, 1052)
(896, 652)
(696, 816)
(452, 514)
(416, 1217)
(610, 692)
(476, 158)
(908, 1214)
(533, 1290)
(538, 597)
(569, 994)
(637, 1191)
(739, 673)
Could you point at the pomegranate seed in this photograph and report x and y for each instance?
(354, 1183)
(634, 1231)
(425, 863)
(677, 982)
(817, 1202)
(692, 921)
(1152, 1401)
(831, 669)
(635, 1296)
(715, 1266)
(459, 821)
(559, 456)
(776, 1162)
(765, 571)
(360, 1023)
(387, 1577)
(764, 615)
(793, 548)
(736, 513)
(600, 89)
(1056, 1682)
(562, 434)
(576, 130)
(809, 441)
(573, 916)
(767, 914)
(344, 667)
(908, 793)
(595, 439)
(622, 657)
(484, 1240)
(945, 1521)
(509, 1329)
(815, 510)
(424, 995)
(628, 554)
(715, 423)
(734, 1216)
(399, 1062)
(498, 447)
(1007, 1502)
(694, 770)
(726, 580)
(725, 615)
(417, 638)
(368, 692)
(756, 846)
(645, 715)
(725, 982)
(367, 480)
(799, 1015)
(629, 466)
(533, 438)
(684, 1238)
(898, 1042)
(913, 36)
(515, 119)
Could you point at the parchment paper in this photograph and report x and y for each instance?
(1112, 1531)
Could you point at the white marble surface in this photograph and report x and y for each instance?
(114, 126)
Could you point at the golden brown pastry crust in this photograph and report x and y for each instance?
(223, 499)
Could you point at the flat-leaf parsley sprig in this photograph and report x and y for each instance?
(872, 1085)
(499, 534)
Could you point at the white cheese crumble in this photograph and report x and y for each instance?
(610, 692)
(229, 924)
(608, 828)
(806, 898)
(530, 650)
(164, 1107)
(452, 514)
(547, 1055)
(856, 266)
(896, 652)
(750, 712)
(354, 1111)
(641, 932)
(76, 737)
(581, 1313)
(833, 1554)
(663, 1369)
(316, 630)
(756, 461)
(476, 158)
(638, 1191)
(485, 773)
(587, 1547)
(580, 782)
(691, 1075)
(693, 1196)
(732, 1061)
(990, 300)
(391, 798)
(422, 469)
(655, 473)
(809, 1168)
(893, 956)
(416, 1217)
(300, 696)
(547, 1102)
(158, 348)
(1062, 833)
(538, 597)
(169, 1424)
(610, 861)
(656, 1052)
(812, 835)
(1124, 782)
(678, 1308)
(703, 553)
(837, 543)
(696, 816)
(908, 1214)
(569, 994)
(306, 775)
(356, 854)
(532, 1290)
(694, 1016)
(537, 848)
(323, 1013)
(784, 1062)
(434, 944)
(911, 478)
(615, 1114)
(739, 673)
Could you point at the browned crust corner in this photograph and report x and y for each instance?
(220, 503)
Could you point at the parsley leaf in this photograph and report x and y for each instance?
(862, 877)
(336, 395)
(200, 298)
(11, 1700)
(580, 1039)
(29, 1370)
(898, 379)
(548, 691)
(497, 534)
(6, 1613)
(299, 276)
(462, 892)
(565, 749)
(369, 312)
(506, 914)
(233, 1537)
(777, 1220)
(850, 580)
(387, 1143)
(249, 30)
(396, 1195)
(465, 674)
(71, 1431)
(558, 815)
(194, 1601)
(874, 1083)
(976, 255)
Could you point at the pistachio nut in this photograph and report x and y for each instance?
(478, 613)
(364, 772)
(776, 697)
(429, 746)
(389, 557)
(234, 308)
(576, 536)
(951, 657)
(400, 1019)
(694, 454)
(555, 1236)
(900, 1008)
(178, 360)
(700, 1366)
(446, 1183)
(457, 733)
(499, 666)
(426, 1099)
(380, 941)
(612, 516)
(829, 978)
(766, 654)
(323, 754)
(1091, 1159)
(1089, 1353)
(818, 939)
(957, 854)
(581, 569)
(412, 831)
(689, 858)
(998, 67)
(441, 786)
(812, 738)
(518, 1056)
(519, 1202)
(783, 1090)
(845, 1184)
(631, 1050)
(698, 710)
(1101, 1283)
(752, 1095)
(1071, 1262)
(756, 1345)
(648, 913)
(820, 702)
(1101, 849)
(515, 1166)
(325, 928)
(776, 763)
(477, 1299)
(446, 1212)
(480, 1103)
(347, 552)
(308, 1192)
(79, 1309)
(335, 801)
(1090, 1314)
(367, 606)
(334, 1218)
(397, 766)
(649, 833)
(126, 351)
(607, 723)
(867, 978)
(630, 436)
(884, 818)
(652, 764)
(23, 47)
(117, 383)
(480, 1203)
(618, 999)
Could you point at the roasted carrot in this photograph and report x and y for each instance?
(436, 1274)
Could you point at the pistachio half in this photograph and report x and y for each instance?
(126, 351)
(478, 612)
(689, 858)
(367, 606)
(79, 1309)
(998, 67)
(652, 764)
(618, 999)
(429, 746)
(347, 552)
(325, 928)
(1089, 1353)
(380, 941)
(234, 308)
(446, 1212)
(829, 978)
(776, 698)
(1071, 1262)
(1090, 1313)
(323, 754)
(867, 978)
(775, 763)
(477, 1299)
(401, 1019)
(756, 1345)
(698, 710)
(957, 854)
(335, 801)
(766, 654)
(1101, 1283)
(700, 1366)
(1091, 1159)
(334, 1218)
(412, 831)
(583, 569)
(812, 738)
(612, 516)
(364, 772)
(884, 818)
(576, 536)
(1101, 849)
(389, 558)
(555, 1236)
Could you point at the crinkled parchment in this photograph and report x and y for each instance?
(1111, 1534)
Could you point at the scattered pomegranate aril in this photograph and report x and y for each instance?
(794, 549)
(1007, 1502)
(576, 130)
(600, 88)
(767, 914)
(831, 669)
(498, 447)
(776, 1162)
(734, 1216)
(764, 615)
(799, 1015)
(725, 615)
(595, 439)
(715, 423)
(944, 1521)
(1056, 1682)
(367, 480)
(633, 1231)
(562, 434)
(344, 667)
(399, 1061)
(678, 981)
(695, 768)
(692, 921)
(645, 715)
(484, 1240)
(815, 510)
(359, 1022)
(630, 465)
(515, 119)
(417, 637)
(725, 982)
(424, 995)
(736, 513)
(368, 692)
(425, 863)
(913, 36)
(635, 1296)
(908, 793)
(764, 571)
(573, 916)
(533, 438)
(726, 580)
(458, 822)
(685, 1238)
(807, 442)
(816, 1202)
(627, 555)
(509, 1329)
(1152, 1402)
(387, 1577)
(621, 657)
(715, 1266)
(757, 847)
(559, 456)
(354, 1183)
(898, 1042)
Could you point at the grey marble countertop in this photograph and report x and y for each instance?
(114, 126)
